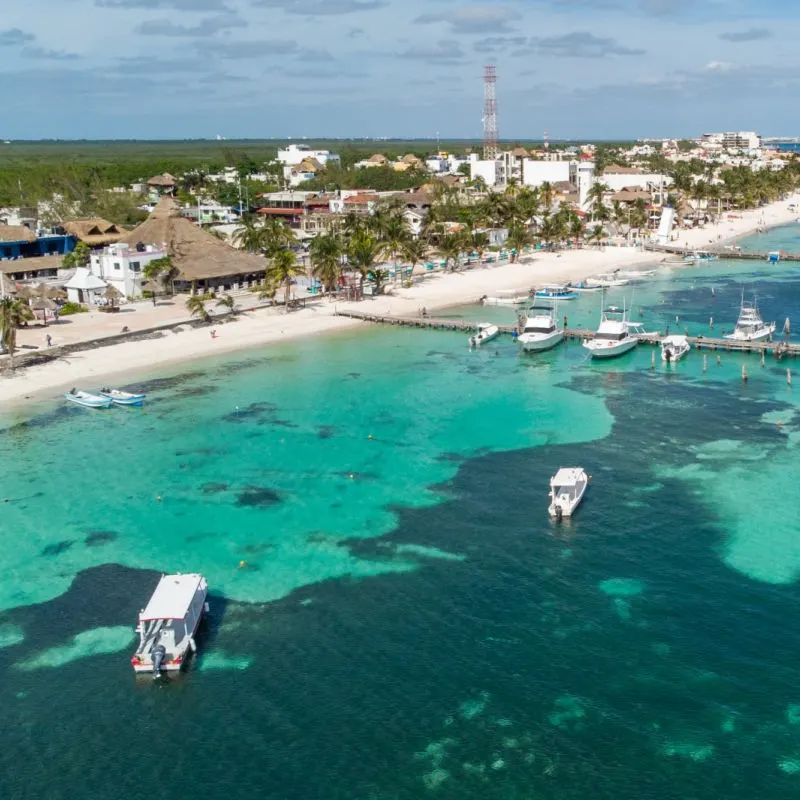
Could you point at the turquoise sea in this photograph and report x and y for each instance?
(393, 614)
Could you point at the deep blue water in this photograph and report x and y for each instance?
(408, 623)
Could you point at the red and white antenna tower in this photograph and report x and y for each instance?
(490, 112)
(546, 140)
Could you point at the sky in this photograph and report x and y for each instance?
(579, 69)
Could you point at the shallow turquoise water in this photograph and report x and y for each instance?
(393, 614)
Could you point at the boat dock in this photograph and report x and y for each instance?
(721, 252)
(778, 349)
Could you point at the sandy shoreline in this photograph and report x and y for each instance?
(262, 327)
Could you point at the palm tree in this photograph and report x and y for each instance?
(414, 251)
(326, 260)
(518, 239)
(597, 234)
(226, 301)
(161, 270)
(282, 272)
(380, 277)
(596, 194)
(577, 228)
(12, 314)
(547, 193)
(362, 253)
(275, 236)
(196, 306)
(394, 236)
(479, 242)
(451, 246)
(248, 236)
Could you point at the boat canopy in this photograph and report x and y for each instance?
(172, 598)
(568, 476)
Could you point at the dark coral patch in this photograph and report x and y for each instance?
(98, 538)
(258, 496)
(58, 548)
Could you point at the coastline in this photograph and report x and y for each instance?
(261, 328)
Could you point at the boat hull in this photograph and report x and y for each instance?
(611, 350)
(536, 345)
(548, 296)
(87, 403)
(760, 336)
(677, 355)
(130, 401)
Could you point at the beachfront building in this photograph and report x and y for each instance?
(618, 177)
(121, 265)
(204, 263)
(84, 287)
(95, 231)
(18, 242)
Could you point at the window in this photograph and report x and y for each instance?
(116, 265)
(135, 266)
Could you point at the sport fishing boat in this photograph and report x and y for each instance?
(556, 292)
(120, 398)
(485, 332)
(86, 399)
(567, 488)
(674, 348)
(540, 331)
(615, 335)
(169, 622)
(750, 327)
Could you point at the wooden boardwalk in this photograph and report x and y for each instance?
(778, 349)
(722, 252)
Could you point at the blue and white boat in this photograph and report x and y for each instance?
(120, 398)
(555, 292)
(86, 399)
(700, 256)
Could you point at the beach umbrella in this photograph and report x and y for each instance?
(112, 294)
(43, 304)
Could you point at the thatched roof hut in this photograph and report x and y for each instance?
(96, 232)
(197, 254)
(16, 233)
(165, 181)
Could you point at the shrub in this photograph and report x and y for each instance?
(71, 308)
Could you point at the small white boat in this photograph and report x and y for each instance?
(540, 331)
(86, 399)
(567, 488)
(169, 622)
(120, 398)
(582, 286)
(607, 281)
(750, 327)
(700, 255)
(511, 297)
(615, 335)
(485, 333)
(637, 273)
(674, 348)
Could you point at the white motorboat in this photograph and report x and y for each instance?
(169, 622)
(120, 398)
(485, 332)
(750, 327)
(511, 297)
(637, 273)
(607, 281)
(86, 399)
(540, 331)
(674, 348)
(615, 335)
(567, 488)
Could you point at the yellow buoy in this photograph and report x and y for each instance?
(242, 564)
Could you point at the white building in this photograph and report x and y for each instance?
(732, 140)
(535, 173)
(84, 287)
(121, 266)
(295, 154)
(618, 177)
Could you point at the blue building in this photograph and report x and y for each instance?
(17, 242)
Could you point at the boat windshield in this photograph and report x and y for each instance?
(612, 337)
(540, 327)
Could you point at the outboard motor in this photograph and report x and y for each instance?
(159, 653)
(559, 513)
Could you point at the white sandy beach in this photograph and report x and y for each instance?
(263, 326)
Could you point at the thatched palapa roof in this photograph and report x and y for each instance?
(165, 181)
(195, 253)
(95, 232)
(16, 233)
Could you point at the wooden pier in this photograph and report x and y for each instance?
(721, 252)
(777, 349)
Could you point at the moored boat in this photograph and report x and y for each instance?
(511, 297)
(485, 332)
(86, 399)
(673, 348)
(567, 488)
(167, 625)
(582, 286)
(556, 292)
(540, 331)
(750, 327)
(120, 398)
(615, 335)
(607, 281)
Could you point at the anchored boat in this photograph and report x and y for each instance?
(750, 327)
(556, 292)
(615, 335)
(540, 331)
(169, 622)
(673, 348)
(511, 297)
(485, 332)
(87, 400)
(120, 398)
(567, 488)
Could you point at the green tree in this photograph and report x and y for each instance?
(12, 314)
(479, 242)
(226, 301)
(518, 239)
(380, 278)
(79, 257)
(248, 236)
(196, 306)
(451, 246)
(326, 260)
(282, 271)
(363, 252)
(163, 271)
(414, 251)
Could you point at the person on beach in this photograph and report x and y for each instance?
(49, 340)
